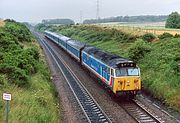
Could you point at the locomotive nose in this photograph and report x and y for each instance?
(128, 84)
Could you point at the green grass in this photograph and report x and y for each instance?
(160, 71)
(37, 104)
(24, 74)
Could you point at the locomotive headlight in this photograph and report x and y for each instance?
(120, 82)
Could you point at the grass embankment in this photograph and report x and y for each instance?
(24, 74)
(157, 58)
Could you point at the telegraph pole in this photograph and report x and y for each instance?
(81, 17)
(97, 10)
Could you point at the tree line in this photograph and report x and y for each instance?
(58, 21)
(172, 20)
(144, 18)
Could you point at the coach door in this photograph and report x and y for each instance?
(108, 74)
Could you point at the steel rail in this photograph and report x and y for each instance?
(139, 113)
(89, 106)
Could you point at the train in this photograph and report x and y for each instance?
(120, 75)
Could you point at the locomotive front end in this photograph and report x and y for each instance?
(127, 79)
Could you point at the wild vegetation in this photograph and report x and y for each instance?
(173, 20)
(23, 73)
(157, 57)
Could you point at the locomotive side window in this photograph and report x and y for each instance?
(87, 57)
(112, 72)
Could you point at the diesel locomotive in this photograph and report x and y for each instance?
(120, 75)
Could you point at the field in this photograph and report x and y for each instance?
(2, 23)
(157, 28)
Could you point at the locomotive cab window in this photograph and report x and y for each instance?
(121, 72)
(127, 72)
(133, 71)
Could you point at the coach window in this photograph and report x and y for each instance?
(87, 57)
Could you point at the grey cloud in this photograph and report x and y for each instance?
(36, 10)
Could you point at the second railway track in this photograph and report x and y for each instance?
(139, 112)
(90, 108)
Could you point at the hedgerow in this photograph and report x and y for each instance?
(165, 35)
(16, 62)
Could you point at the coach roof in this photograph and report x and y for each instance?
(76, 44)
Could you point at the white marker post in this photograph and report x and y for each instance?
(6, 97)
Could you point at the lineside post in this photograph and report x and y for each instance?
(7, 98)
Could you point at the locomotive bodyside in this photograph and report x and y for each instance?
(119, 74)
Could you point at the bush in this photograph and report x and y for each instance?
(138, 50)
(165, 35)
(19, 77)
(33, 52)
(1, 80)
(149, 37)
(176, 36)
(18, 30)
(15, 62)
(15, 75)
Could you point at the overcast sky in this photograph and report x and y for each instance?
(36, 10)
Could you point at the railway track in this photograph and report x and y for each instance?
(90, 108)
(134, 108)
(139, 112)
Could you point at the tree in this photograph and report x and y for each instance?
(173, 20)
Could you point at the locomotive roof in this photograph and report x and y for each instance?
(107, 58)
(76, 44)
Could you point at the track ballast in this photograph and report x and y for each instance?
(89, 106)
